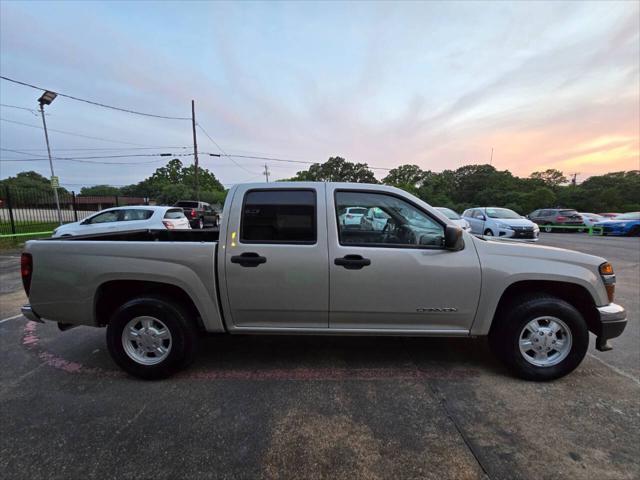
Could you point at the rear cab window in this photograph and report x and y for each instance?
(174, 214)
(279, 216)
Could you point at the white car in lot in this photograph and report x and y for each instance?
(455, 218)
(502, 223)
(122, 219)
(352, 216)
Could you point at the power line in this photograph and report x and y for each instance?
(74, 134)
(77, 149)
(32, 110)
(223, 152)
(104, 156)
(91, 102)
(77, 160)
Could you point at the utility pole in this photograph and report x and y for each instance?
(574, 180)
(266, 172)
(195, 146)
(47, 98)
(491, 160)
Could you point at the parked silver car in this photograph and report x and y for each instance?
(500, 222)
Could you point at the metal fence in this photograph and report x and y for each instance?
(30, 210)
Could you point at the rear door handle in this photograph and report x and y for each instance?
(248, 259)
(352, 262)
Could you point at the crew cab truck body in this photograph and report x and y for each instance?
(282, 263)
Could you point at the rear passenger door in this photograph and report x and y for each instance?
(276, 260)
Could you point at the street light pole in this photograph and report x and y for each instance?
(46, 137)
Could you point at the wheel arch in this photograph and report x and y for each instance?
(574, 294)
(114, 293)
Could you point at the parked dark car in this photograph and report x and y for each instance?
(548, 218)
(200, 214)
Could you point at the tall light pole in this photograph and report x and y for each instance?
(46, 99)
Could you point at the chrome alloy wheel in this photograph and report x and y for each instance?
(146, 340)
(545, 341)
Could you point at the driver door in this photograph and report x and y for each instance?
(399, 277)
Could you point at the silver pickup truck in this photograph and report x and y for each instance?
(283, 263)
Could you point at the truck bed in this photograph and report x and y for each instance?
(71, 273)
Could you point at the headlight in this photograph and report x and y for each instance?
(536, 228)
(503, 226)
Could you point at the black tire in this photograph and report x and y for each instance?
(181, 325)
(488, 232)
(547, 227)
(505, 335)
(635, 231)
(200, 223)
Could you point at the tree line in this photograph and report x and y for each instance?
(484, 185)
(459, 189)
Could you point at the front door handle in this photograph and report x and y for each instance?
(352, 262)
(248, 259)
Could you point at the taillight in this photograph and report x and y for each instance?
(561, 218)
(609, 280)
(193, 214)
(26, 270)
(169, 225)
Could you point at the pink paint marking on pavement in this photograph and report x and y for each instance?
(31, 341)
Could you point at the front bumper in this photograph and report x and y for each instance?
(611, 323)
(28, 312)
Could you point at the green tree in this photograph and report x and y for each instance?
(100, 190)
(336, 169)
(407, 177)
(550, 177)
(30, 180)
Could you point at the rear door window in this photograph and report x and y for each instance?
(131, 215)
(279, 216)
(105, 217)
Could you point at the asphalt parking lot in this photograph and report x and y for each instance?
(318, 407)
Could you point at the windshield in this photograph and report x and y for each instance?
(629, 216)
(501, 213)
(450, 214)
(187, 204)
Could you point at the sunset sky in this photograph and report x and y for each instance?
(546, 85)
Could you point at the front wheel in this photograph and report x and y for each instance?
(540, 337)
(635, 231)
(488, 232)
(151, 338)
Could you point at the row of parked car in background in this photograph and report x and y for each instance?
(185, 214)
(487, 221)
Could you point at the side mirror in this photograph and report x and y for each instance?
(453, 238)
(84, 222)
(483, 218)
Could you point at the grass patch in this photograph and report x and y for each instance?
(27, 227)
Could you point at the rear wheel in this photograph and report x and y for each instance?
(635, 231)
(540, 337)
(548, 227)
(200, 223)
(151, 338)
